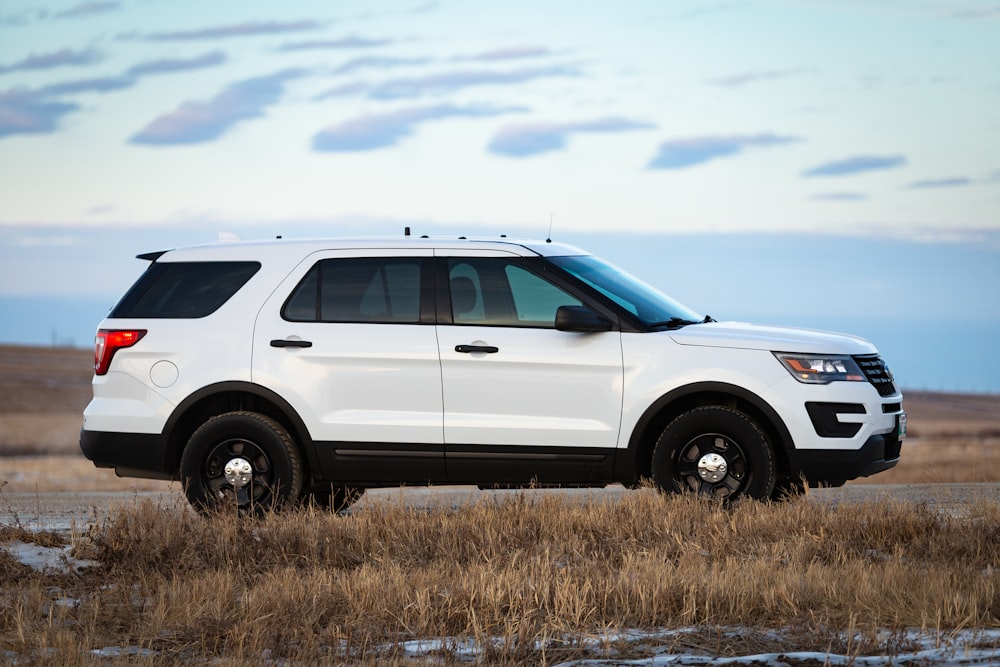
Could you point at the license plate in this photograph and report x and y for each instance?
(901, 425)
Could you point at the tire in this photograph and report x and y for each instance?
(717, 452)
(335, 497)
(264, 465)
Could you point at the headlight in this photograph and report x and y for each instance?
(821, 368)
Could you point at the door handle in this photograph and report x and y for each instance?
(466, 349)
(284, 342)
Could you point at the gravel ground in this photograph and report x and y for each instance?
(64, 511)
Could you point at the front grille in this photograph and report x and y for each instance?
(875, 370)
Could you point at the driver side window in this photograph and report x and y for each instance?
(491, 291)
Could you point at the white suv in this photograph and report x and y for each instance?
(262, 373)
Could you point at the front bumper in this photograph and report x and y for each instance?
(835, 466)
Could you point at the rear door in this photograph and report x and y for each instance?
(349, 340)
(522, 400)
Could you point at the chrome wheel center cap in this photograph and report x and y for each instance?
(238, 472)
(712, 468)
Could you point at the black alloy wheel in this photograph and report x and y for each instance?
(715, 451)
(241, 459)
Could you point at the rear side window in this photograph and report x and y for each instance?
(378, 289)
(184, 290)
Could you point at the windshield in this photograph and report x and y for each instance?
(647, 303)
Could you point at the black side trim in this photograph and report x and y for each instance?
(386, 453)
(519, 465)
(380, 463)
(825, 418)
(525, 456)
(143, 454)
(391, 464)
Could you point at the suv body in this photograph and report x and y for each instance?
(275, 370)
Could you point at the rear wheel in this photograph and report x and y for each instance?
(241, 459)
(715, 451)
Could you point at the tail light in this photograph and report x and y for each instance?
(110, 341)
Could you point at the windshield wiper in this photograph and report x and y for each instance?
(673, 323)
(678, 322)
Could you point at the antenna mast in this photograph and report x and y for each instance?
(548, 239)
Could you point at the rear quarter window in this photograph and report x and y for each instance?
(184, 290)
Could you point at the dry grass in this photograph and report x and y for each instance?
(530, 578)
(927, 460)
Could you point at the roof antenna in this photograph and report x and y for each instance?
(406, 231)
(548, 239)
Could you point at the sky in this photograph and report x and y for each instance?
(776, 142)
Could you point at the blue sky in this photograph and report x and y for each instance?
(127, 126)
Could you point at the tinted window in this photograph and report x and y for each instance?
(498, 292)
(379, 289)
(648, 303)
(184, 289)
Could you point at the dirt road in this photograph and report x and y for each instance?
(64, 511)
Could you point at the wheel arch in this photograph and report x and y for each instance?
(233, 396)
(636, 464)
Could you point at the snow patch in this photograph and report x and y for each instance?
(47, 558)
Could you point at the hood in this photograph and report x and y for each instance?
(772, 339)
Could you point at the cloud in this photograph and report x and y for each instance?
(27, 111)
(856, 165)
(448, 82)
(684, 153)
(197, 122)
(753, 77)
(85, 9)
(985, 13)
(249, 29)
(22, 17)
(61, 58)
(374, 131)
(523, 140)
(378, 62)
(35, 111)
(509, 53)
(356, 88)
(840, 196)
(99, 85)
(939, 183)
(352, 42)
(168, 65)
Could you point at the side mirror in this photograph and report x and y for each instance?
(581, 318)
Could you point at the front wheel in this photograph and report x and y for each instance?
(241, 459)
(717, 452)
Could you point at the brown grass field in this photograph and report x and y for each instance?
(530, 578)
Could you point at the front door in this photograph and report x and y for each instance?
(522, 400)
